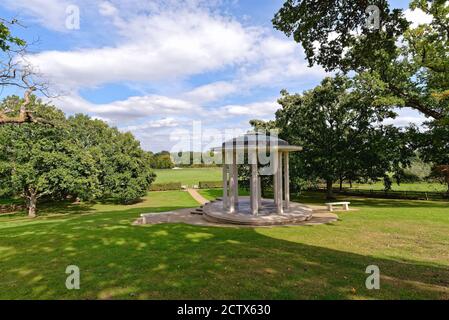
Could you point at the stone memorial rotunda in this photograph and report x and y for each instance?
(264, 155)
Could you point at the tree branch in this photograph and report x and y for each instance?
(16, 71)
(416, 104)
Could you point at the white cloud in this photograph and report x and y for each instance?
(172, 42)
(160, 123)
(132, 108)
(105, 8)
(255, 109)
(417, 17)
(137, 107)
(211, 92)
(406, 116)
(170, 45)
(278, 62)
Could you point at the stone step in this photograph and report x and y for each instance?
(216, 215)
(197, 211)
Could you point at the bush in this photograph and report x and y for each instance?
(161, 160)
(8, 208)
(406, 176)
(165, 186)
(210, 184)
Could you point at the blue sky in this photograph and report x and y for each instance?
(155, 67)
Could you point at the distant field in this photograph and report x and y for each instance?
(188, 176)
(191, 176)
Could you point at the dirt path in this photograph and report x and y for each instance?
(195, 195)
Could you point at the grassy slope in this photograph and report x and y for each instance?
(407, 240)
(191, 176)
(188, 176)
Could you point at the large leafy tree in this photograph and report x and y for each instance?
(339, 125)
(43, 161)
(433, 147)
(124, 171)
(77, 157)
(413, 63)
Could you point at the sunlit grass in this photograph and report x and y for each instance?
(188, 176)
(153, 202)
(408, 240)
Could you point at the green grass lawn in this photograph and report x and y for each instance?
(417, 186)
(188, 176)
(408, 240)
(191, 176)
(211, 194)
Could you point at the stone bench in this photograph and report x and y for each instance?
(330, 205)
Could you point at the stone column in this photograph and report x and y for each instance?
(286, 182)
(279, 205)
(254, 186)
(275, 178)
(235, 179)
(231, 186)
(225, 184)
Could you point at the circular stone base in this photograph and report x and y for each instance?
(214, 212)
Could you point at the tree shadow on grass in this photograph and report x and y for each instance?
(66, 207)
(53, 209)
(394, 203)
(65, 213)
(113, 201)
(177, 261)
(319, 198)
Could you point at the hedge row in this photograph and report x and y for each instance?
(165, 186)
(210, 184)
(391, 194)
(8, 208)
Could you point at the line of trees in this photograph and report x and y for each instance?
(340, 127)
(75, 157)
(167, 160)
(161, 160)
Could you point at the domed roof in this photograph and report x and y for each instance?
(254, 140)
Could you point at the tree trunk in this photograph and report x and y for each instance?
(341, 184)
(350, 184)
(330, 194)
(32, 204)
